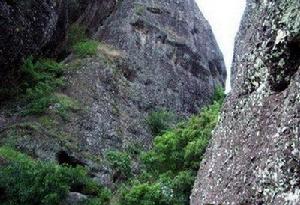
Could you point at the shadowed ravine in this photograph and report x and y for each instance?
(122, 103)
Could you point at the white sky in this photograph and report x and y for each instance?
(224, 17)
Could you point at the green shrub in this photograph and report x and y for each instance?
(79, 42)
(160, 121)
(165, 190)
(166, 154)
(182, 148)
(182, 185)
(40, 70)
(120, 162)
(219, 94)
(29, 182)
(40, 79)
(172, 163)
(147, 194)
(86, 48)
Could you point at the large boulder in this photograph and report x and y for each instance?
(254, 156)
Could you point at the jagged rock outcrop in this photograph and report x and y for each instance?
(25, 28)
(39, 27)
(254, 156)
(159, 58)
(152, 55)
(158, 66)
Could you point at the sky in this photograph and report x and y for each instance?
(224, 17)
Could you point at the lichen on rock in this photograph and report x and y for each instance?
(254, 157)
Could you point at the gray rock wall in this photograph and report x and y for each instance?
(165, 57)
(25, 28)
(39, 27)
(254, 155)
(153, 55)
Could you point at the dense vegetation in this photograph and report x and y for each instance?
(164, 176)
(160, 121)
(31, 182)
(169, 168)
(166, 172)
(41, 78)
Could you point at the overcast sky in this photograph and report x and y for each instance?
(224, 17)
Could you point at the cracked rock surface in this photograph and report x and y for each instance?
(254, 156)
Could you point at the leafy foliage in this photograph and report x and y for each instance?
(79, 42)
(182, 148)
(219, 94)
(148, 194)
(165, 189)
(26, 181)
(171, 165)
(120, 162)
(160, 121)
(167, 173)
(41, 78)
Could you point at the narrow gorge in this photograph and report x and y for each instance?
(121, 102)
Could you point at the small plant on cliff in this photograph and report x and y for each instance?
(79, 42)
(77, 33)
(86, 48)
(41, 78)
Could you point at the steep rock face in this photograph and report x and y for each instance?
(178, 42)
(39, 27)
(95, 12)
(26, 27)
(152, 55)
(254, 156)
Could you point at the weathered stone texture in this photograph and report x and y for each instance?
(152, 55)
(25, 28)
(254, 156)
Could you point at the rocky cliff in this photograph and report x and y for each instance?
(151, 55)
(254, 155)
(24, 32)
(38, 27)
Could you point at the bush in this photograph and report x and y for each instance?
(26, 181)
(147, 194)
(171, 165)
(41, 78)
(79, 42)
(86, 48)
(219, 94)
(165, 190)
(120, 162)
(182, 148)
(160, 121)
